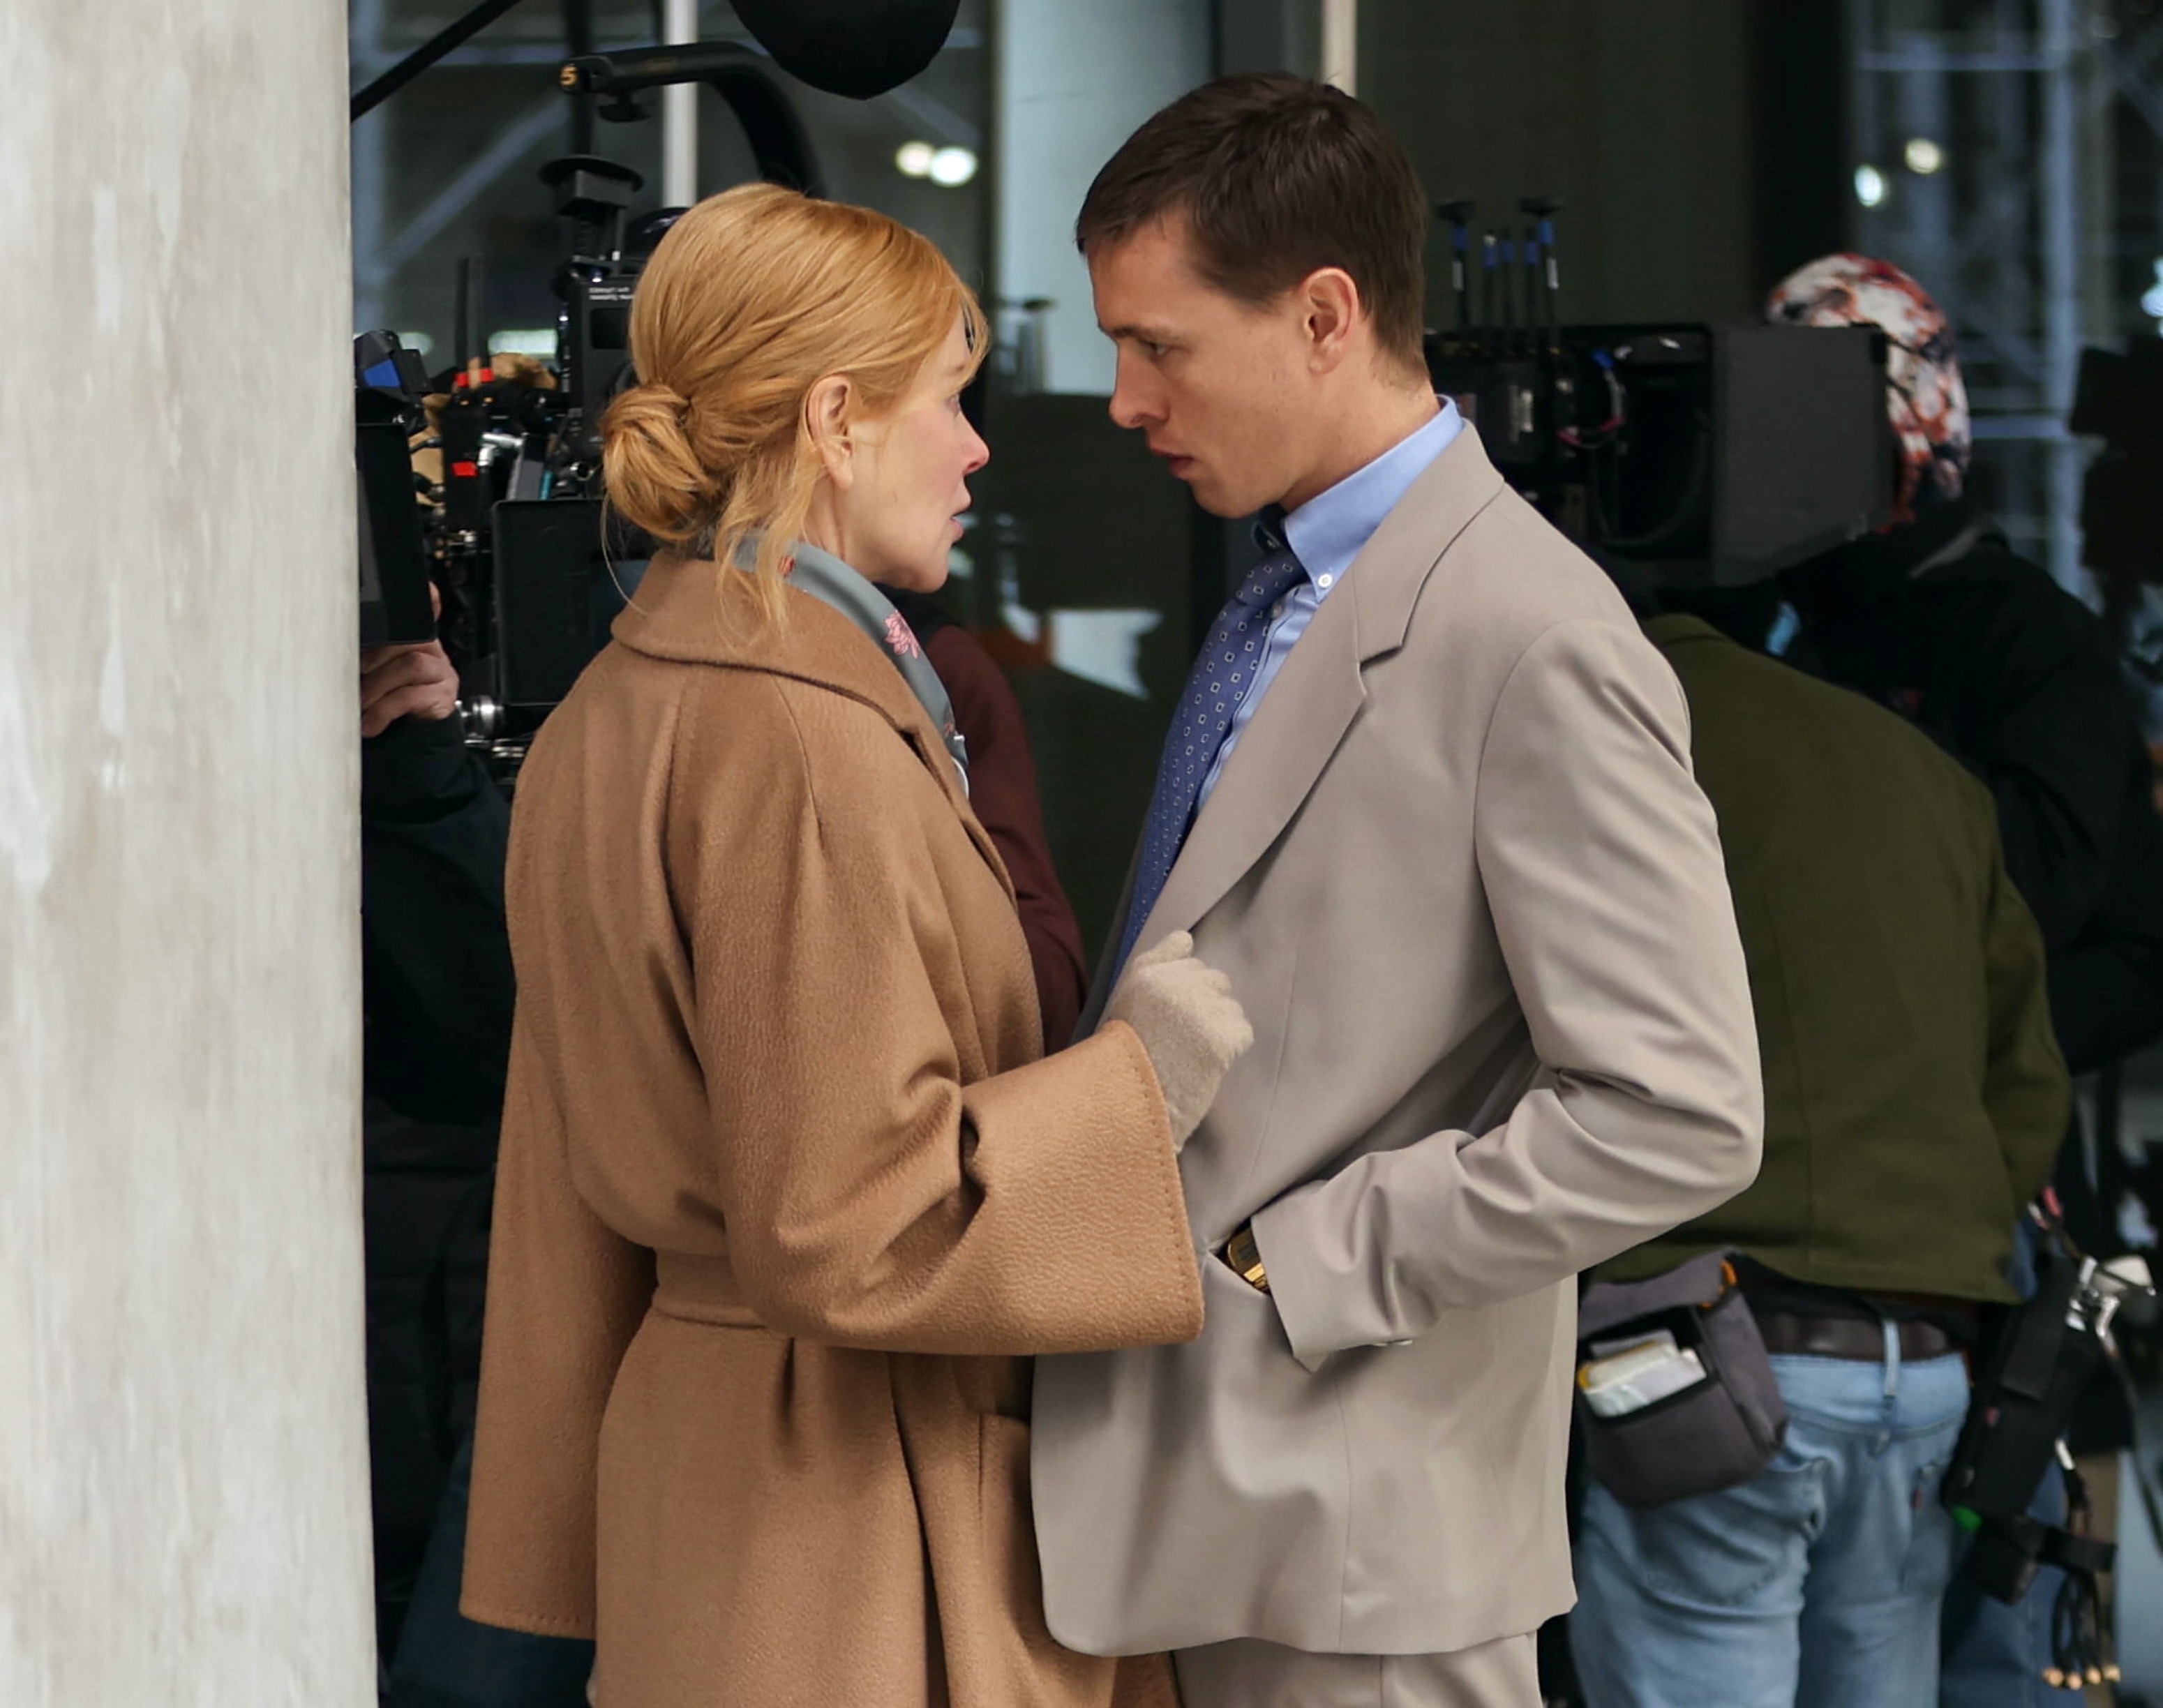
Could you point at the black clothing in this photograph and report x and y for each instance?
(2017, 678)
(436, 956)
(425, 1199)
(436, 996)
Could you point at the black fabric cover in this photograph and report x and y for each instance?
(857, 48)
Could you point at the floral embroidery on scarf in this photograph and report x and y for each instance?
(902, 638)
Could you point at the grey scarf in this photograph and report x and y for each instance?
(834, 583)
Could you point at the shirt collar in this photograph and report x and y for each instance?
(1329, 531)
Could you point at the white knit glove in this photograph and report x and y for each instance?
(1189, 1021)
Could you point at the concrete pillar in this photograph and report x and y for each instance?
(183, 1495)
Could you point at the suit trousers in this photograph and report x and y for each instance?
(1248, 1672)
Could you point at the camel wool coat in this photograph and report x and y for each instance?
(786, 1193)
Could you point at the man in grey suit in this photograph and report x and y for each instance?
(1427, 801)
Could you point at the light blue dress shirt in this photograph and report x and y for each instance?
(1325, 533)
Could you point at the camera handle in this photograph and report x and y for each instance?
(739, 75)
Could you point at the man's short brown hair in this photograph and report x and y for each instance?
(1276, 177)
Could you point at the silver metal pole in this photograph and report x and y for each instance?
(1340, 44)
(679, 113)
(2060, 214)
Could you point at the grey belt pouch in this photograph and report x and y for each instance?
(1675, 1392)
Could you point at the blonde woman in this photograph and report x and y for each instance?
(786, 1194)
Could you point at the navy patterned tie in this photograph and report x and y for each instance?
(1224, 676)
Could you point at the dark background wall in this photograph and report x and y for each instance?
(1695, 142)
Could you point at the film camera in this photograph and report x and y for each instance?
(1699, 454)
(513, 529)
(512, 532)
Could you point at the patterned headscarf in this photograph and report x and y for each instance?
(1924, 394)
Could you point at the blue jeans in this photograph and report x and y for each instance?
(1816, 1584)
(445, 1660)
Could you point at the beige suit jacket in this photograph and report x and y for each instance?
(1461, 877)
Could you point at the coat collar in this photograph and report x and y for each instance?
(687, 612)
(838, 587)
(1318, 693)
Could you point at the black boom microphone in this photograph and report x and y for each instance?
(857, 48)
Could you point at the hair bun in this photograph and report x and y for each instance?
(667, 396)
(653, 474)
(648, 396)
(751, 298)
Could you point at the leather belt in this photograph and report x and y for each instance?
(1850, 1337)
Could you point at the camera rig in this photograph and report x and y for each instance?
(1701, 454)
(512, 527)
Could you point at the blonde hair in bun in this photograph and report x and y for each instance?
(751, 299)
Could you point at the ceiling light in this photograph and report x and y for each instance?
(1924, 156)
(953, 167)
(1869, 185)
(913, 159)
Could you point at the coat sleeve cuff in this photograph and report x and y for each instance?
(1082, 1135)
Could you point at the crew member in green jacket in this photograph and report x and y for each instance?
(1915, 1099)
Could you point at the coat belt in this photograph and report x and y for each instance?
(701, 1290)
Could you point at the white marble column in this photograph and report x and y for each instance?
(183, 1496)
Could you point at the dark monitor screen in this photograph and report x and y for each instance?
(1805, 449)
(559, 586)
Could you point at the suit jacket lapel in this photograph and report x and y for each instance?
(1317, 695)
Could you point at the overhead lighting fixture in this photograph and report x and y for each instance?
(953, 167)
(1869, 186)
(913, 159)
(2151, 301)
(1924, 156)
